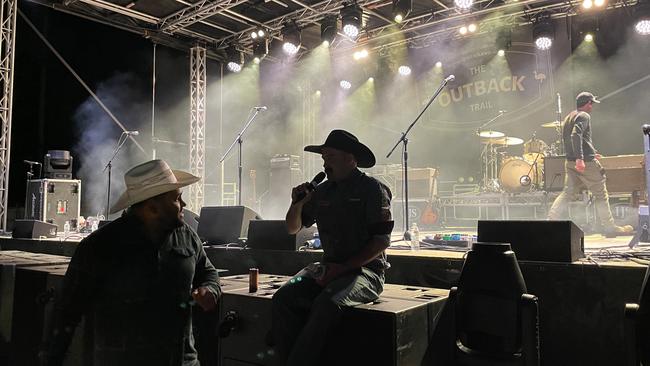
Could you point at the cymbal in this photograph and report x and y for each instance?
(554, 124)
(507, 141)
(491, 134)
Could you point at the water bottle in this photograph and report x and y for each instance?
(66, 228)
(415, 237)
(95, 225)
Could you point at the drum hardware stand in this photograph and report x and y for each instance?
(404, 140)
(558, 129)
(489, 160)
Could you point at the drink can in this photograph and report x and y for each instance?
(253, 278)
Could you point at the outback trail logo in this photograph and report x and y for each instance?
(512, 84)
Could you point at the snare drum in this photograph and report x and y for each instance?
(517, 175)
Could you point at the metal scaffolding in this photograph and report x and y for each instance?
(7, 47)
(197, 125)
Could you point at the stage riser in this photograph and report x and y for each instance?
(581, 305)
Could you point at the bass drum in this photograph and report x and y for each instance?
(517, 175)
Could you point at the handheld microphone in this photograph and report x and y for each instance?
(502, 111)
(261, 108)
(311, 185)
(449, 78)
(31, 162)
(132, 133)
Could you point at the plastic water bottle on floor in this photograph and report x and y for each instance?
(415, 237)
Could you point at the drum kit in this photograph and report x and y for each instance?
(510, 173)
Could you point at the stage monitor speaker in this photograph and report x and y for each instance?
(272, 234)
(34, 229)
(554, 173)
(224, 224)
(547, 241)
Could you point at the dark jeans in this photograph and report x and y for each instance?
(305, 314)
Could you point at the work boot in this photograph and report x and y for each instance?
(616, 230)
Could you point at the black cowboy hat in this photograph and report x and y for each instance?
(345, 141)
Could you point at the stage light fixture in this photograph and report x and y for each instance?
(587, 4)
(404, 70)
(472, 27)
(351, 20)
(438, 64)
(235, 59)
(358, 55)
(642, 18)
(464, 5)
(291, 38)
(401, 9)
(462, 30)
(501, 53)
(371, 79)
(260, 48)
(328, 29)
(543, 31)
(589, 37)
(345, 84)
(599, 3)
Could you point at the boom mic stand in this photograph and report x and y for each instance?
(404, 140)
(109, 166)
(238, 140)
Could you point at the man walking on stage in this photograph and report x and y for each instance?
(352, 212)
(583, 170)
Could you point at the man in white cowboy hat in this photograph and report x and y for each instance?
(352, 211)
(136, 279)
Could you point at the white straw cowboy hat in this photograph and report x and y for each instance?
(149, 180)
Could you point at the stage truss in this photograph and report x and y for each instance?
(7, 52)
(197, 125)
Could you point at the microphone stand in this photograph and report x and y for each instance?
(109, 166)
(30, 175)
(404, 140)
(238, 140)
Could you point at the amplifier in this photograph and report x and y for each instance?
(394, 330)
(554, 173)
(422, 183)
(53, 200)
(625, 173)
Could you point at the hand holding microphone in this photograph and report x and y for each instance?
(302, 192)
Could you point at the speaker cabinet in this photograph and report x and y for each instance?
(554, 173)
(38, 289)
(34, 229)
(224, 224)
(548, 241)
(393, 330)
(272, 234)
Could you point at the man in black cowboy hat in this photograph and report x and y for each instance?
(583, 170)
(352, 212)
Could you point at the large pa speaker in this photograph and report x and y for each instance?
(224, 224)
(272, 234)
(554, 173)
(548, 241)
(34, 229)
